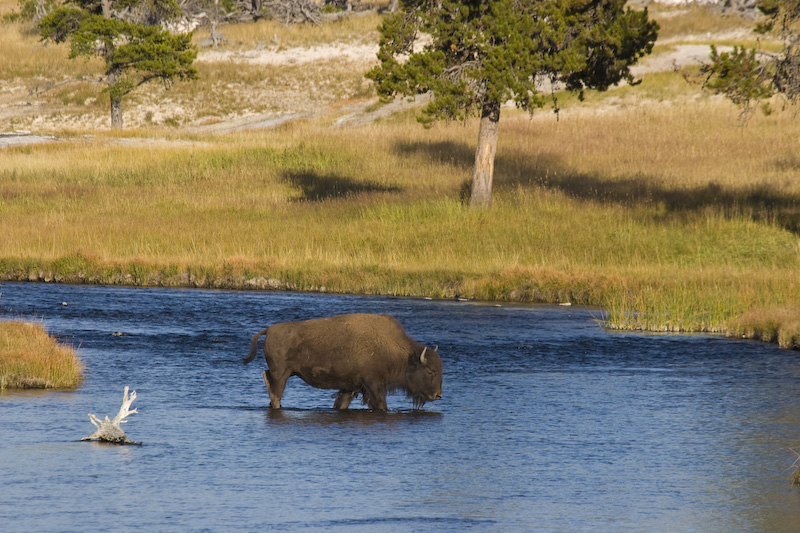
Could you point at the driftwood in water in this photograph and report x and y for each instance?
(109, 430)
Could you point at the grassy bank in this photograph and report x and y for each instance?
(671, 219)
(32, 359)
(651, 201)
(777, 325)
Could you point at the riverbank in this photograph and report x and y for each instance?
(671, 221)
(31, 359)
(651, 201)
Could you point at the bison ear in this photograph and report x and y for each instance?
(422, 355)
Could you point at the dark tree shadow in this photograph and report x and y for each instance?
(318, 187)
(443, 152)
(514, 170)
(789, 163)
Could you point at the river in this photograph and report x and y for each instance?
(548, 422)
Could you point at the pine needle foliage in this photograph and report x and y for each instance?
(135, 51)
(748, 76)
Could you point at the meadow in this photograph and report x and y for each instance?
(654, 203)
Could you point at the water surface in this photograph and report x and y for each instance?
(548, 422)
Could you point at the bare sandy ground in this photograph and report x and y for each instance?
(356, 53)
(18, 106)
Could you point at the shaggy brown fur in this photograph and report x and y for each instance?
(355, 354)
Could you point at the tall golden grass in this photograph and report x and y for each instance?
(32, 359)
(361, 29)
(670, 218)
(697, 22)
(778, 325)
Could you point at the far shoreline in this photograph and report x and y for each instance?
(747, 327)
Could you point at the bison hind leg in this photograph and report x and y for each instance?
(274, 388)
(343, 399)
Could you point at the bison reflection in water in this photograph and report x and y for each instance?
(356, 354)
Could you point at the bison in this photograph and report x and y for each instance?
(355, 354)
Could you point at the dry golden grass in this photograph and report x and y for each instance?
(8, 6)
(671, 218)
(698, 22)
(777, 325)
(32, 359)
(362, 29)
(27, 60)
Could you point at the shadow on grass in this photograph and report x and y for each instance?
(318, 187)
(549, 172)
(452, 153)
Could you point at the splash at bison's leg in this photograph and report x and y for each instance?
(343, 399)
(274, 388)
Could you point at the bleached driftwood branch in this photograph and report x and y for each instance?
(110, 430)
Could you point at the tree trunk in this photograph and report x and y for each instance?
(116, 111)
(483, 173)
(394, 6)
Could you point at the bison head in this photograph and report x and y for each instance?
(424, 379)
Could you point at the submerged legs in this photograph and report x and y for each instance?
(343, 399)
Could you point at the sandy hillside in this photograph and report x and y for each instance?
(302, 82)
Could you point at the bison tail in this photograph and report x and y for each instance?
(254, 345)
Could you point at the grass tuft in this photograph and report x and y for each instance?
(32, 359)
(777, 325)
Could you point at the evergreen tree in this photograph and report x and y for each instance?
(745, 75)
(480, 54)
(127, 36)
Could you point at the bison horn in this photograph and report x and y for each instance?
(422, 356)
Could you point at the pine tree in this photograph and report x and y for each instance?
(748, 76)
(127, 36)
(480, 54)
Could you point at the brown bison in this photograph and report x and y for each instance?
(355, 354)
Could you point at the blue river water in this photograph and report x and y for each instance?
(548, 422)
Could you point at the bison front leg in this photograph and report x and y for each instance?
(343, 399)
(275, 388)
(375, 397)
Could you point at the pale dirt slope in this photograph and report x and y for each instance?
(19, 110)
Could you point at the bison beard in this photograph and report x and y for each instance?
(355, 354)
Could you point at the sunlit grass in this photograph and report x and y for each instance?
(671, 218)
(700, 21)
(26, 58)
(32, 359)
(779, 325)
(269, 33)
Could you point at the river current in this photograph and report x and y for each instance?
(548, 422)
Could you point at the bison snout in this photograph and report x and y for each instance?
(437, 396)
